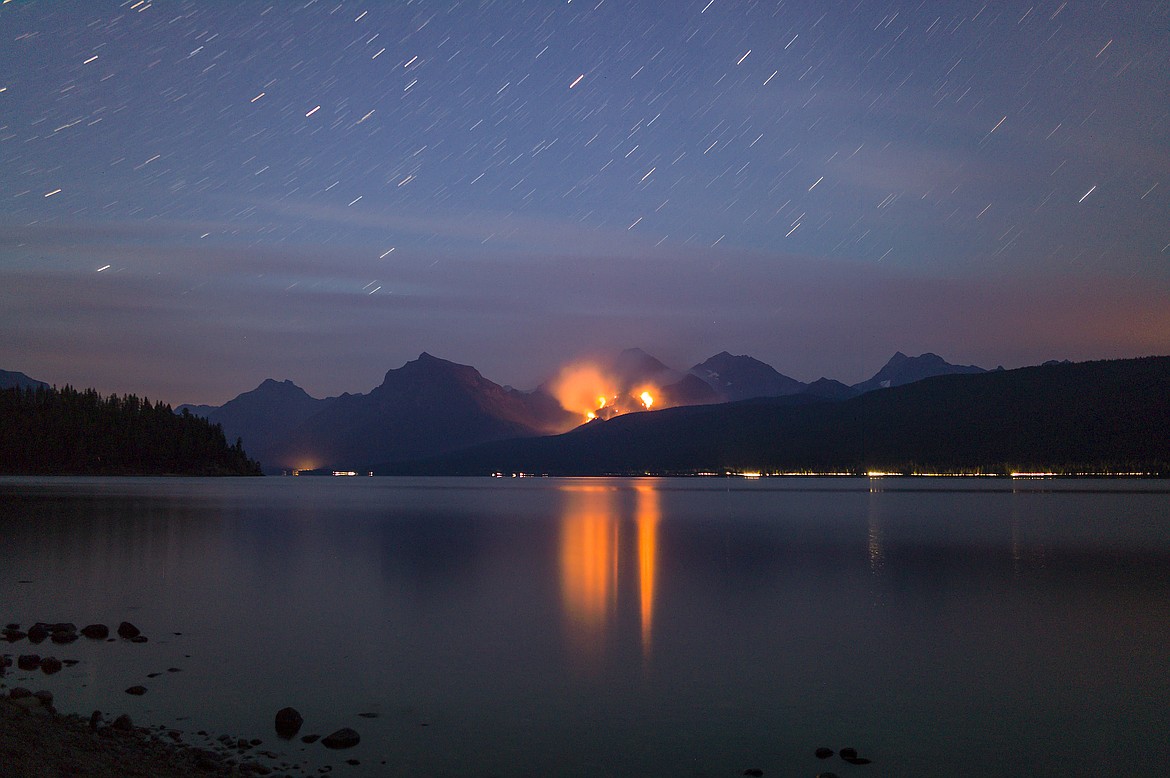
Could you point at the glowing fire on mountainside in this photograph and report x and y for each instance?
(587, 389)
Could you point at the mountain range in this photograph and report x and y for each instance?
(431, 406)
(1090, 417)
(726, 413)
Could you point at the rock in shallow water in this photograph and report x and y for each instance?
(50, 665)
(128, 630)
(288, 723)
(824, 753)
(137, 691)
(342, 738)
(96, 631)
(28, 661)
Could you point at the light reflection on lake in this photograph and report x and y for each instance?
(618, 626)
(599, 525)
(589, 566)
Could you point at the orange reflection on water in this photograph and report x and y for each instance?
(647, 520)
(589, 557)
(594, 532)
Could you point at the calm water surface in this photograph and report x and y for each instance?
(617, 627)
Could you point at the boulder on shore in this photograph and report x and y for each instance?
(288, 723)
(342, 738)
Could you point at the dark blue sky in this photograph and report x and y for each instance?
(199, 195)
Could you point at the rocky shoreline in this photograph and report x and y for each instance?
(36, 741)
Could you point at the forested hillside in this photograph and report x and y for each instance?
(1089, 417)
(67, 431)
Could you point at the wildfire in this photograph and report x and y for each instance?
(591, 415)
(584, 389)
(587, 389)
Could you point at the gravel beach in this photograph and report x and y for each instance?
(38, 743)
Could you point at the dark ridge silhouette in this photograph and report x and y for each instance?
(69, 432)
(635, 366)
(828, 389)
(426, 407)
(688, 390)
(902, 370)
(1107, 416)
(10, 379)
(264, 416)
(743, 377)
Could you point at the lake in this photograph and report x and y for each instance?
(615, 627)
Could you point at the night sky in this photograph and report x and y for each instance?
(195, 196)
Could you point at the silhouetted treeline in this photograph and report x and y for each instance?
(66, 431)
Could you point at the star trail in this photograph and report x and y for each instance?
(199, 195)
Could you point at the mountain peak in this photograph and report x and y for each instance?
(742, 377)
(270, 387)
(429, 368)
(634, 365)
(902, 369)
(10, 379)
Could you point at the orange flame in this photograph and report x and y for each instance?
(583, 388)
(589, 390)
